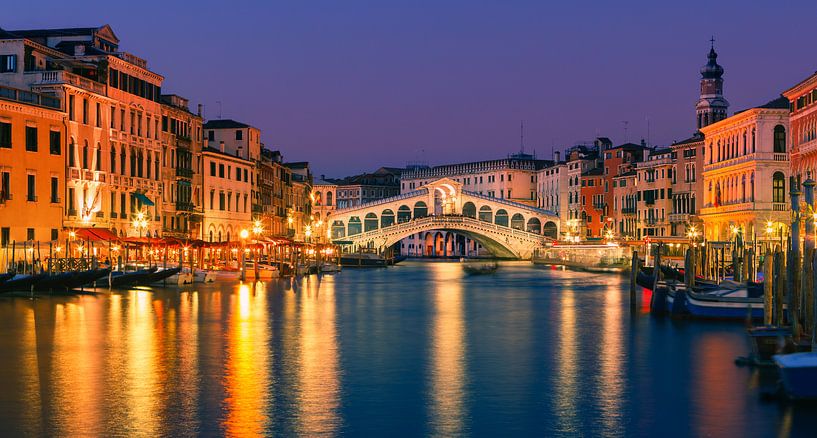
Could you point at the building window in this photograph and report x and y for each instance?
(31, 194)
(98, 115)
(8, 63)
(31, 138)
(55, 234)
(5, 135)
(5, 186)
(98, 164)
(113, 158)
(55, 190)
(212, 169)
(211, 135)
(54, 143)
(778, 187)
(779, 139)
(85, 111)
(29, 233)
(5, 236)
(113, 117)
(239, 134)
(85, 156)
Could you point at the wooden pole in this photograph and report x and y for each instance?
(633, 274)
(807, 289)
(779, 287)
(768, 291)
(813, 304)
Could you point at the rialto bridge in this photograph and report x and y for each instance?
(441, 208)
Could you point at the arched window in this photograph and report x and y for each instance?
(779, 139)
(85, 156)
(485, 214)
(752, 187)
(778, 187)
(329, 199)
(469, 210)
(370, 222)
(753, 139)
(743, 189)
(113, 158)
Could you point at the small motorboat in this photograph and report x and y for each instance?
(479, 267)
(798, 371)
(727, 300)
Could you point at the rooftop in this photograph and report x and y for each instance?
(224, 124)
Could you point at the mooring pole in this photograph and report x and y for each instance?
(793, 265)
(633, 274)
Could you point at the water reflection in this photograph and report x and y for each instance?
(247, 362)
(613, 360)
(142, 370)
(448, 351)
(319, 384)
(565, 380)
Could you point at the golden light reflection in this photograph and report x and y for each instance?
(713, 396)
(611, 380)
(448, 351)
(319, 392)
(566, 378)
(142, 365)
(248, 355)
(29, 397)
(188, 344)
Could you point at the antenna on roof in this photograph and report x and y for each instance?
(712, 42)
(521, 137)
(219, 108)
(625, 130)
(648, 130)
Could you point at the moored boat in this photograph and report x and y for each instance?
(160, 275)
(362, 260)
(798, 372)
(479, 267)
(21, 282)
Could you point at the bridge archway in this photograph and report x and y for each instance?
(534, 226)
(386, 218)
(501, 217)
(518, 222)
(486, 213)
(355, 227)
(403, 214)
(370, 222)
(338, 230)
(469, 210)
(420, 209)
(550, 230)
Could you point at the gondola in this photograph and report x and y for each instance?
(159, 275)
(21, 282)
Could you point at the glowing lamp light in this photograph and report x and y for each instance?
(244, 234)
(58, 249)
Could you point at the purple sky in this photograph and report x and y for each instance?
(353, 85)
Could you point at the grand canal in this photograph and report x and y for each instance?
(418, 349)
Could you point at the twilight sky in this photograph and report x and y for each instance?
(353, 85)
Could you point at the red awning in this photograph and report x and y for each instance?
(96, 234)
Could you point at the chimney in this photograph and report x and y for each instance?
(323, 177)
(221, 145)
(556, 156)
(199, 110)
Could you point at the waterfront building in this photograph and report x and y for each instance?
(580, 159)
(654, 196)
(299, 210)
(32, 166)
(235, 138)
(745, 174)
(227, 186)
(592, 202)
(625, 202)
(803, 120)
(324, 193)
(367, 187)
(181, 168)
(687, 186)
(512, 178)
(111, 101)
(273, 188)
(551, 189)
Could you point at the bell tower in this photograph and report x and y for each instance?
(712, 106)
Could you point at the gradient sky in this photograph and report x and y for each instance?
(353, 85)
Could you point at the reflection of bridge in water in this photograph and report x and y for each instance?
(505, 228)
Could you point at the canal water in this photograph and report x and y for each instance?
(418, 349)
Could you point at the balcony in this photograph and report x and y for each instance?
(185, 206)
(257, 208)
(184, 173)
(56, 77)
(628, 210)
(679, 217)
(599, 205)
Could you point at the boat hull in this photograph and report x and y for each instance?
(798, 372)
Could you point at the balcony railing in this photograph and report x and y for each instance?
(64, 77)
(184, 173)
(256, 208)
(628, 210)
(185, 206)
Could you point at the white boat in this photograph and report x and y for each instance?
(265, 271)
(189, 277)
(799, 374)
